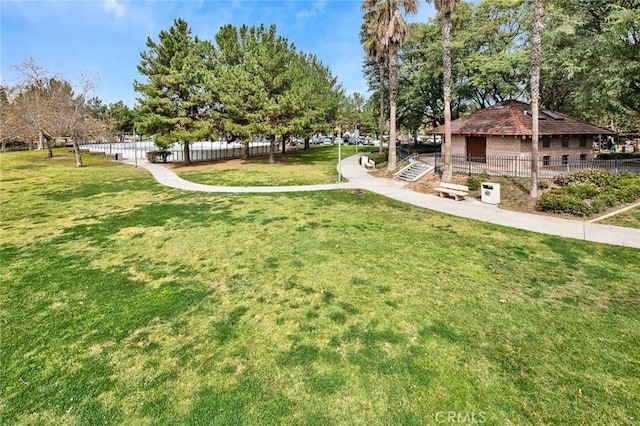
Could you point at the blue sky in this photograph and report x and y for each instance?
(104, 38)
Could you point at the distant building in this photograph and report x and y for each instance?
(504, 130)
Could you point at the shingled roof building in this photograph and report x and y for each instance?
(504, 130)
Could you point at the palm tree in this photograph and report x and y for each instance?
(375, 52)
(391, 30)
(536, 36)
(445, 8)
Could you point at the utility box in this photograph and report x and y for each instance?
(490, 193)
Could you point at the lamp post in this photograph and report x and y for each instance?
(339, 156)
(357, 136)
(135, 148)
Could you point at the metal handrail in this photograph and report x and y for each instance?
(401, 164)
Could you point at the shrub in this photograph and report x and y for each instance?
(484, 176)
(380, 158)
(155, 156)
(582, 191)
(608, 198)
(425, 149)
(561, 202)
(597, 177)
(543, 185)
(617, 155)
(603, 202)
(626, 180)
(628, 194)
(473, 183)
(590, 191)
(597, 205)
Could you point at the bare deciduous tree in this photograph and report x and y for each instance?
(10, 126)
(52, 108)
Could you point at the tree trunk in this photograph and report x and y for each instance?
(48, 141)
(393, 99)
(285, 138)
(381, 122)
(447, 174)
(272, 149)
(538, 16)
(186, 152)
(306, 143)
(76, 150)
(247, 147)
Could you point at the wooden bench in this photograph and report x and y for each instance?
(458, 191)
(367, 163)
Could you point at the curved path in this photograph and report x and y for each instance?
(469, 208)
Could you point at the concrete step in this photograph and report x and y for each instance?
(414, 171)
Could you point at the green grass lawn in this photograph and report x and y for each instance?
(629, 219)
(127, 302)
(318, 165)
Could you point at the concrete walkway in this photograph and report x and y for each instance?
(359, 178)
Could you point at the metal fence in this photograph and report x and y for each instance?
(548, 167)
(198, 151)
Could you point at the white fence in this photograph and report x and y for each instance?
(198, 151)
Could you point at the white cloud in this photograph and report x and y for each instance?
(316, 8)
(114, 6)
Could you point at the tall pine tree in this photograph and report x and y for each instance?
(254, 73)
(175, 105)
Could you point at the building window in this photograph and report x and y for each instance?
(546, 142)
(565, 141)
(583, 141)
(565, 159)
(583, 157)
(546, 160)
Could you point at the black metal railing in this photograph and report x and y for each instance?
(548, 167)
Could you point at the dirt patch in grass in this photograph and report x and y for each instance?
(382, 173)
(62, 157)
(426, 185)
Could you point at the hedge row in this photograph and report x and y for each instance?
(156, 156)
(380, 158)
(588, 192)
(617, 155)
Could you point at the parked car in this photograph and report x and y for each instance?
(327, 141)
